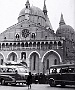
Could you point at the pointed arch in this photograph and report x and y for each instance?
(11, 53)
(34, 52)
(54, 52)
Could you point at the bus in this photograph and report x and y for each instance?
(62, 75)
(11, 74)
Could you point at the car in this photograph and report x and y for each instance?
(13, 74)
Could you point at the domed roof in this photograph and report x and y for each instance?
(65, 29)
(34, 11)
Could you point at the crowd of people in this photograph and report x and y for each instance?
(40, 78)
(36, 79)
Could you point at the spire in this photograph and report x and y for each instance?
(27, 4)
(62, 22)
(44, 8)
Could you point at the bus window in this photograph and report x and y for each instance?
(71, 70)
(3, 70)
(9, 70)
(54, 70)
(58, 70)
(51, 70)
(22, 70)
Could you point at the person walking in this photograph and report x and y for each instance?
(29, 80)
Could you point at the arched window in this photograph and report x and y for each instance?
(17, 36)
(47, 63)
(46, 45)
(50, 45)
(30, 44)
(23, 55)
(10, 44)
(55, 45)
(14, 44)
(18, 44)
(26, 44)
(3, 45)
(33, 35)
(42, 45)
(22, 44)
(38, 45)
(34, 44)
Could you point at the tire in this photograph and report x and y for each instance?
(2, 82)
(52, 83)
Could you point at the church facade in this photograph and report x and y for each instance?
(33, 41)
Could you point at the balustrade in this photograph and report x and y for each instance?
(31, 45)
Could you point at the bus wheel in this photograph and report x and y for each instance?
(2, 82)
(52, 83)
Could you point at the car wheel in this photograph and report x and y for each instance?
(2, 82)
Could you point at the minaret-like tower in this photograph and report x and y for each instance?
(62, 22)
(27, 4)
(27, 10)
(44, 8)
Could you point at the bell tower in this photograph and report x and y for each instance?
(44, 8)
(27, 10)
(62, 22)
(27, 4)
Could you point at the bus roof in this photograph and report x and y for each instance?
(12, 66)
(62, 65)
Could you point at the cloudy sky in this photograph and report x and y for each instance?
(9, 11)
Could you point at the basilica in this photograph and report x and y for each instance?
(32, 40)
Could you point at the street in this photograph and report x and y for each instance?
(35, 87)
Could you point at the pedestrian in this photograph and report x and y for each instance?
(29, 80)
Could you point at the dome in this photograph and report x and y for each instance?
(65, 28)
(65, 31)
(34, 11)
(35, 15)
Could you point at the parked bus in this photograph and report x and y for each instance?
(13, 74)
(62, 75)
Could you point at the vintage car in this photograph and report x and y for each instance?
(13, 74)
(62, 75)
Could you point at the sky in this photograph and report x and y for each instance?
(10, 9)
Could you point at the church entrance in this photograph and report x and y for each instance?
(34, 63)
(50, 58)
(12, 57)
